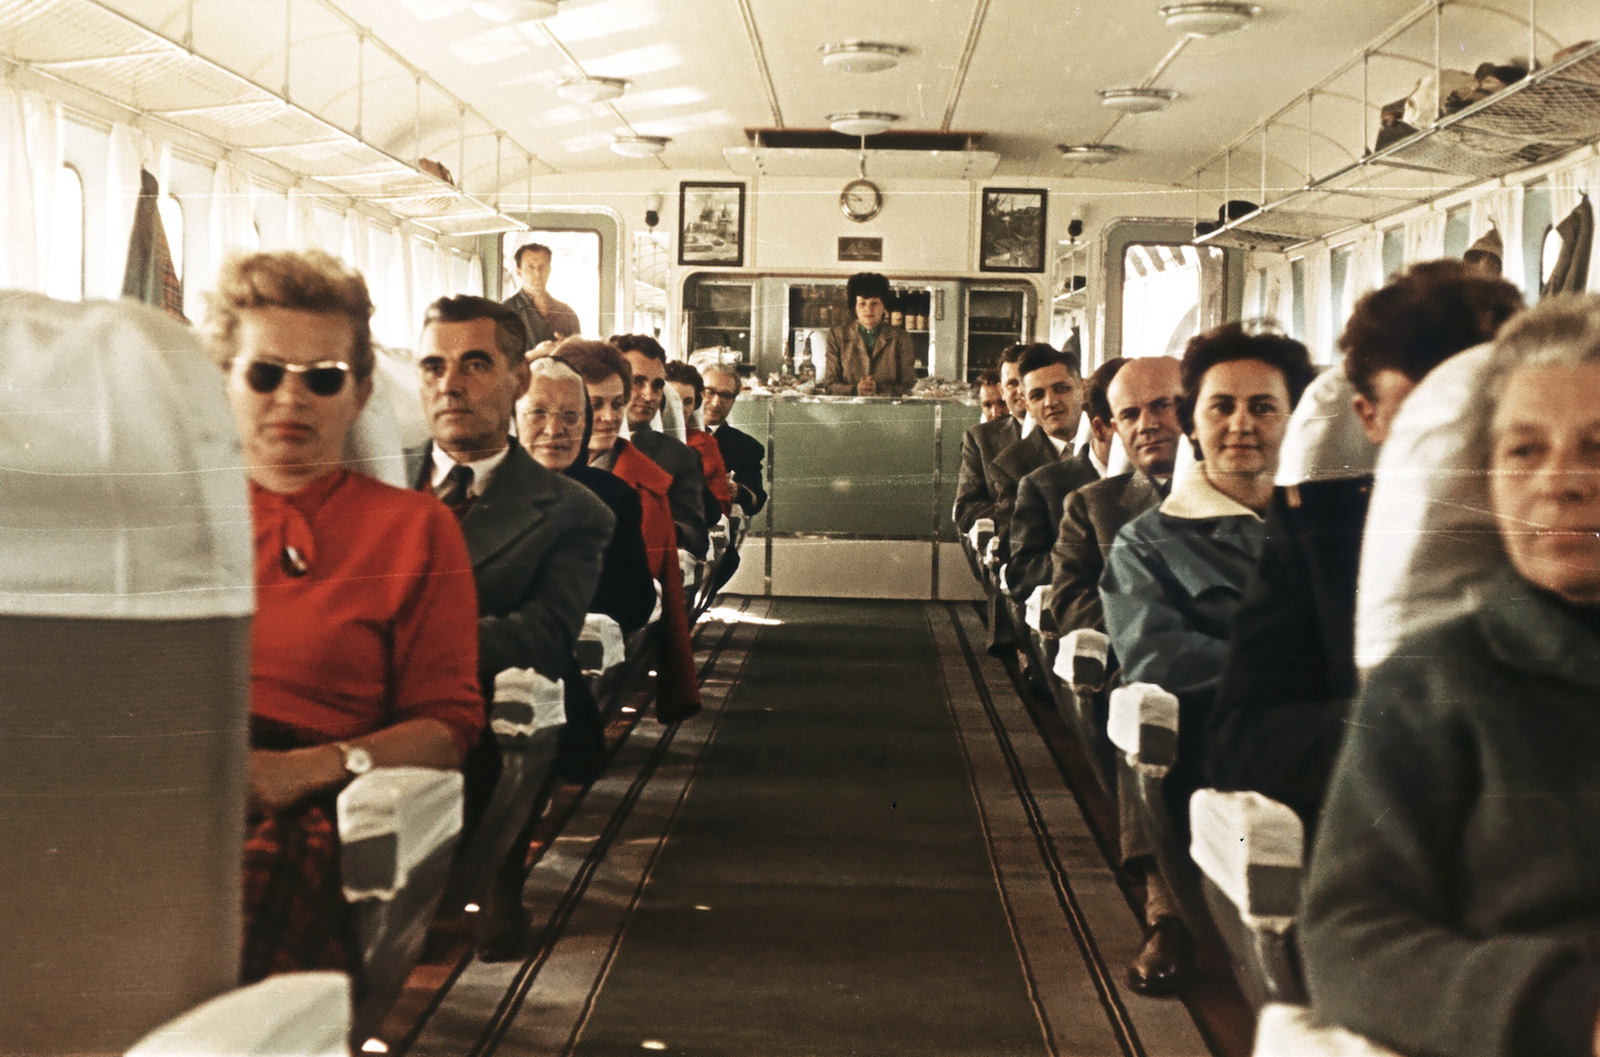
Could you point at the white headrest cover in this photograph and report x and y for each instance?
(1135, 707)
(670, 418)
(1084, 432)
(1430, 538)
(419, 805)
(598, 627)
(1117, 462)
(120, 466)
(402, 386)
(1324, 441)
(373, 445)
(1232, 833)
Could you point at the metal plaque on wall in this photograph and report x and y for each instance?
(859, 248)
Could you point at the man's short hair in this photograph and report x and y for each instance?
(1230, 342)
(1011, 353)
(509, 333)
(986, 377)
(595, 361)
(685, 374)
(1039, 355)
(643, 344)
(532, 247)
(867, 284)
(304, 280)
(1421, 318)
(1094, 393)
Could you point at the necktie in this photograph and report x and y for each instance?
(459, 480)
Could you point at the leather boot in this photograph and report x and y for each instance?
(1162, 964)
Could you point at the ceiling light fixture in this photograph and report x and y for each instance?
(514, 10)
(639, 146)
(1091, 153)
(1137, 100)
(1209, 18)
(861, 122)
(591, 89)
(861, 56)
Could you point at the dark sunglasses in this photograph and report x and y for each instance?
(324, 378)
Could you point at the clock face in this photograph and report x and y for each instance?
(861, 200)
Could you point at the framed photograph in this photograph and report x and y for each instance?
(711, 223)
(1011, 232)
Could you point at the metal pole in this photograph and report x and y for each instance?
(461, 151)
(772, 490)
(499, 142)
(416, 123)
(288, 6)
(1533, 35)
(361, 82)
(1438, 60)
(188, 26)
(1310, 124)
(938, 481)
(1366, 73)
(1263, 163)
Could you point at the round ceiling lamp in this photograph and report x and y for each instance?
(861, 56)
(639, 146)
(862, 122)
(1210, 18)
(591, 89)
(514, 10)
(1091, 153)
(1137, 100)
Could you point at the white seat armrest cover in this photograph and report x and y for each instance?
(991, 554)
(547, 696)
(421, 806)
(1136, 710)
(722, 527)
(1082, 642)
(655, 614)
(1252, 847)
(598, 627)
(688, 564)
(979, 528)
(1035, 607)
(1324, 440)
(1291, 1031)
(305, 1014)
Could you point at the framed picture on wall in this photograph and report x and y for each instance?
(711, 223)
(1011, 230)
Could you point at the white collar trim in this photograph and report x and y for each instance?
(1195, 498)
(482, 469)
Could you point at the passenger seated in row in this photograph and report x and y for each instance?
(364, 647)
(1053, 389)
(690, 391)
(1290, 672)
(1043, 493)
(535, 537)
(980, 444)
(1175, 573)
(691, 501)
(742, 454)
(607, 376)
(990, 396)
(1453, 901)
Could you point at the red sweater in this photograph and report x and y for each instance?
(383, 627)
(716, 470)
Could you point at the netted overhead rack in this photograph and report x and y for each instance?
(340, 93)
(1331, 128)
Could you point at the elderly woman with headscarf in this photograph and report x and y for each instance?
(1453, 905)
(364, 648)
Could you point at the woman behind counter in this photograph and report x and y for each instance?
(869, 356)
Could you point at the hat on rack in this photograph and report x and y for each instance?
(1487, 253)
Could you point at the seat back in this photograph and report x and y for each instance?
(1430, 541)
(1324, 441)
(126, 590)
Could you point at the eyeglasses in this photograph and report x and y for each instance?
(726, 394)
(324, 378)
(538, 417)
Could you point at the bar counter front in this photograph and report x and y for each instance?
(859, 492)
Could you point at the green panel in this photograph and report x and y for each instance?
(958, 418)
(857, 468)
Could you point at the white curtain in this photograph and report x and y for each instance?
(232, 215)
(1254, 279)
(392, 291)
(1501, 209)
(1280, 290)
(1425, 236)
(1365, 271)
(1319, 304)
(30, 138)
(300, 224)
(474, 276)
(126, 157)
(354, 247)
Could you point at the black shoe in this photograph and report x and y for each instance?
(1162, 964)
(505, 941)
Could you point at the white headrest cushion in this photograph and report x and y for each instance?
(1233, 835)
(598, 627)
(1087, 642)
(1324, 440)
(120, 464)
(1430, 539)
(1035, 607)
(1136, 706)
(301, 1013)
(420, 805)
(373, 444)
(547, 696)
(1118, 463)
(1291, 1031)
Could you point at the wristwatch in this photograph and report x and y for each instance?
(357, 761)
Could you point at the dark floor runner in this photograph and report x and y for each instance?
(832, 834)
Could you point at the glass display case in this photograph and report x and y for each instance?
(815, 307)
(720, 313)
(996, 317)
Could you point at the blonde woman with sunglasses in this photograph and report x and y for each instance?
(364, 646)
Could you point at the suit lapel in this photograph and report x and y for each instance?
(516, 501)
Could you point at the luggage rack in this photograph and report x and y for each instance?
(1548, 113)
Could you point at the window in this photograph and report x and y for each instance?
(574, 269)
(65, 281)
(1338, 273)
(1457, 231)
(172, 226)
(1297, 314)
(1161, 288)
(1394, 252)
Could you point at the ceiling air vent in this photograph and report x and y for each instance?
(902, 154)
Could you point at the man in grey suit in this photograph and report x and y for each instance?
(1042, 494)
(691, 501)
(981, 443)
(1143, 401)
(1052, 387)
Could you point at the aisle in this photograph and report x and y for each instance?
(826, 888)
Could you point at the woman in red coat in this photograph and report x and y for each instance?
(691, 389)
(608, 380)
(364, 647)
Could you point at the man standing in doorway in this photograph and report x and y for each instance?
(545, 318)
